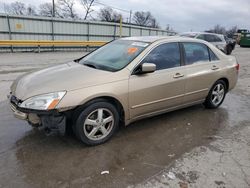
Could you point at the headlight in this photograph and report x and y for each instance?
(43, 102)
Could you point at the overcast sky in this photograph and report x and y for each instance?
(181, 15)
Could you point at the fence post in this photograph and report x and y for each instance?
(120, 28)
(88, 37)
(87, 31)
(114, 31)
(9, 29)
(130, 28)
(141, 31)
(52, 34)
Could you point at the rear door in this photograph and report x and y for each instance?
(162, 89)
(202, 70)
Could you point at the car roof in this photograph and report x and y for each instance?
(196, 33)
(150, 39)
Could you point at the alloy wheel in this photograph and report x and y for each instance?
(98, 124)
(218, 94)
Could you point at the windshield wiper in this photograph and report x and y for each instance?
(90, 65)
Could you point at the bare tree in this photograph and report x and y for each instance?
(230, 32)
(109, 15)
(222, 30)
(217, 29)
(46, 9)
(145, 19)
(31, 11)
(66, 8)
(16, 8)
(87, 5)
(169, 28)
(154, 23)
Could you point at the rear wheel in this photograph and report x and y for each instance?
(216, 95)
(97, 123)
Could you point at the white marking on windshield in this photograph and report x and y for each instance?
(140, 44)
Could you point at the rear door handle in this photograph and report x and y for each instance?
(178, 75)
(214, 67)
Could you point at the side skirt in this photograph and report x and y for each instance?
(163, 111)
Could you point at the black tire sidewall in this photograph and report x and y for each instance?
(208, 102)
(79, 132)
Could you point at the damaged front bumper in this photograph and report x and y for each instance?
(51, 121)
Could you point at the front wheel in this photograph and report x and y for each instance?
(97, 123)
(216, 95)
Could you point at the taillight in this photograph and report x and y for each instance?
(237, 66)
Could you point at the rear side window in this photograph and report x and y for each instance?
(212, 38)
(164, 56)
(195, 52)
(217, 38)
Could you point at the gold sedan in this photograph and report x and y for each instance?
(123, 81)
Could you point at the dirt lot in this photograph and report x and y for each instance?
(193, 147)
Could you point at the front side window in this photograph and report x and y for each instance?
(164, 56)
(115, 55)
(195, 52)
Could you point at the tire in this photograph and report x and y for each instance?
(218, 91)
(96, 123)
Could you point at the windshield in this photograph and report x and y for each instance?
(115, 55)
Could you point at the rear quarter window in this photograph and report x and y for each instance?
(213, 57)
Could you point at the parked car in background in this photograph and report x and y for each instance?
(245, 39)
(216, 39)
(237, 35)
(124, 81)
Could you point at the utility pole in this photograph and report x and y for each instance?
(130, 15)
(53, 8)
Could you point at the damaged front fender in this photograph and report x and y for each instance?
(54, 124)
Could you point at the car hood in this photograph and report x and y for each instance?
(65, 77)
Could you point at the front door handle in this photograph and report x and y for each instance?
(178, 75)
(214, 67)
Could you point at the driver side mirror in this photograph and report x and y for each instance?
(146, 68)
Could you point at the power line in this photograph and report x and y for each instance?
(127, 11)
(100, 3)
